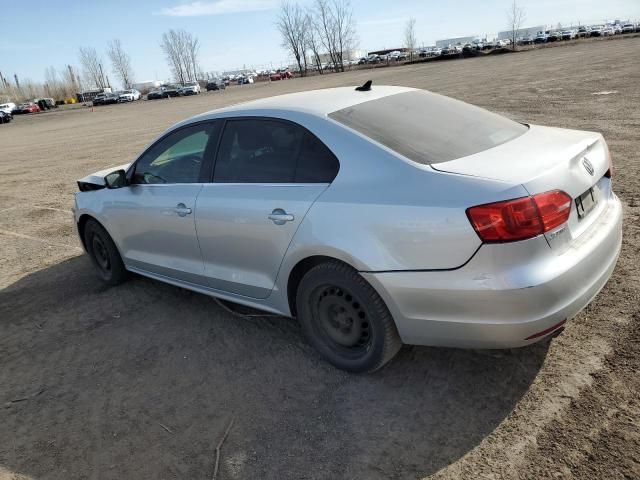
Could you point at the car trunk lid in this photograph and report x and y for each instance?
(545, 159)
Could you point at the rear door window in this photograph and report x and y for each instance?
(272, 151)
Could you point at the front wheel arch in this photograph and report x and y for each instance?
(82, 222)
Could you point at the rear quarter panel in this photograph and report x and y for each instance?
(385, 213)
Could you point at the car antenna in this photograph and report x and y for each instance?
(365, 88)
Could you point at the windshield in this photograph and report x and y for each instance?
(429, 128)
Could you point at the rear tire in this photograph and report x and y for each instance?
(345, 319)
(104, 254)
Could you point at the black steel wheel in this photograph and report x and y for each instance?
(345, 319)
(103, 253)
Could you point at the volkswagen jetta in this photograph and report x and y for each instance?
(375, 216)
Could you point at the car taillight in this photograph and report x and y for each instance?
(521, 218)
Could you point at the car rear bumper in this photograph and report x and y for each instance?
(506, 296)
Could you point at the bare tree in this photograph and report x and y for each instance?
(181, 50)
(91, 66)
(326, 29)
(171, 45)
(120, 62)
(313, 41)
(345, 30)
(515, 17)
(336, 29)
(292, 24)
(410, 36)
(193, 49)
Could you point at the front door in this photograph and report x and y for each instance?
(152, 219)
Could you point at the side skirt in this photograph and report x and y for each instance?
(249, 302)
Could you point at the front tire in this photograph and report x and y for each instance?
(104, 254)
(345, 319)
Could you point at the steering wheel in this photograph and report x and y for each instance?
(150, 176)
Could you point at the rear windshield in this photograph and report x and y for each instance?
(429, 128)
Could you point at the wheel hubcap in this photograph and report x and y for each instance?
(100, 253)
(343, 318)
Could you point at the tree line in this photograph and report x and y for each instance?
(327, 26)
(181, 50)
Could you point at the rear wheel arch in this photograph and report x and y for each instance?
(298, 272)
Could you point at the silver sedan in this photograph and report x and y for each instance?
(376, 216)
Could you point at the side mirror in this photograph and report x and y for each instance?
(117, 179)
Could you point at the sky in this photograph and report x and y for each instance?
(234, 34)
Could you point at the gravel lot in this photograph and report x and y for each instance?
(141, 380)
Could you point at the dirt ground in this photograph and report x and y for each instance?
(140, 381)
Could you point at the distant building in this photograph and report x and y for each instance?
(523, 32)
(146, 86)
(346, 56)
(455, 41)
(389, 50)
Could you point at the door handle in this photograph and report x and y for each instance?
(280, 217)
(182, 210)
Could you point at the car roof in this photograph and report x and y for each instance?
(316, 102)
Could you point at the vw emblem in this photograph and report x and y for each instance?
(587, 166)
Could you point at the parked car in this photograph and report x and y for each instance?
(583, 32)
(362, 61)
(157, 94)
(8, 107)
(215, 85)
(171, 90)
(528, 40)
(541, 37)
(569, 34)
(523, 229)
(617, 28)
(246, 80)
(28, 107)
(628, 28)
(608, 32)
(191, 88)
(596, 31)
(106, 99)
(282, 75)
(46, 103)
(5, 117)
(397, 55)
(554, 36)
(130, 95)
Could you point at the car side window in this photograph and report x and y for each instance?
(177, 158)
(316, 163)
(272, 151)
(258, 151)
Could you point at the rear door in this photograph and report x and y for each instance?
(152, 218)
(267, 175)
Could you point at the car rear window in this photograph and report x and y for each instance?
(429, 128)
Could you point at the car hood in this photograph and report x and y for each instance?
(97, 178)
